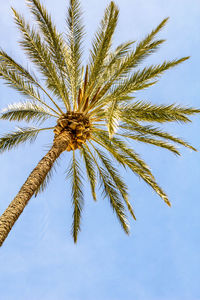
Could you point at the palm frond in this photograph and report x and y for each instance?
(145, 111)
(148, 179)
(112, 63)
(113, 117)
(116, 146)
(114, 174)
(148, 46)
(154, 131)
(74, 41)
(143, 49)
(112, 194)
(11, 140)
(90, 169)
(40, 55)
(21, 79)
(123, 156)
(18, 82)
(27, 111)
(54, 41)
(75, 174)
(12, 65)
(143, 78)
(102, 44)
(147, 139)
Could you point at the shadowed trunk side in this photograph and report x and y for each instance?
(16, 207)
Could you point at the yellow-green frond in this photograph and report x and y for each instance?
(90, 169)
(11, 140)
(102, 44)
(56, 45)
(75, 174)
(146, 111)
(112, 194)
(74, 41)
(39, 54)
(26, 111)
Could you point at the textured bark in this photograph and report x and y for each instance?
(16, 207)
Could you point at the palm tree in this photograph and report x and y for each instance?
(96, 114)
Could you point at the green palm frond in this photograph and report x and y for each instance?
(74, 42)
(102, 44)
(148, 46)
(116, 146)
(143, 78)
(112, 63)
(12, 65)
(22, 135)
(143, 49)
(27, 111)
(90, 169)
(75, 174)
(22, 80)
(118, 181)
(39, 54)
(110, 191)
(147, 139)
(116, 56)
(146, 111)
(148, 179)
(54, 41)
(17, 82)
(154, 131)
(113, 117)
(127, 157)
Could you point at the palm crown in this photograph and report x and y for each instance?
(93, 107)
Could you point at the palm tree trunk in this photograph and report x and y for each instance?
(16, 207)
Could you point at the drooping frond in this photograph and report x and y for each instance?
(148, 179)
(147, 139)
(110, 191)
(114, 174)
(74, 41)
(90, 169)
(27, 111)
(54, 41)
(102, 44)
(22, 135)
(39, 54)
(145, 111)
(126, 157)
(154, 131)
(75, 174)
(114, 145)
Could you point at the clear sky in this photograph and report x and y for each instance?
(161, 258)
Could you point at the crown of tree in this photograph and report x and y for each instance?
(94, 108)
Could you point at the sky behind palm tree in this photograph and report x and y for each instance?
(160, 260)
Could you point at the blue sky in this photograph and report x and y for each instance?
(161, 258)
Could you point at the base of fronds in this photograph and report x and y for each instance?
(75, 124)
